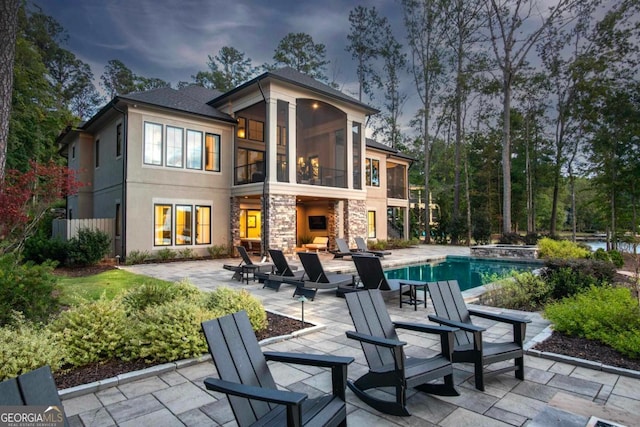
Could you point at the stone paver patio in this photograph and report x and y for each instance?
(560, 392)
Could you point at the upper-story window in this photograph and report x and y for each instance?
(396, 181)
(321, 151)
(194, 149)
(356, 132)
(372, 169)
(174, 146)
(152, 143)
(189, 149)
(119, 140)
(256, 130)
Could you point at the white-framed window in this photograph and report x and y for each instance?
(203, 225)
(163, 231)
(181, 224)
(194, 149)
(175, 146)
(153, 143)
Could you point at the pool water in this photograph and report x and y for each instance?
(467, 271)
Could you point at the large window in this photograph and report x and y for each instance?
(212, 152)
(356, 129)
(152, 143)
(194, 149)
(162, 225)
(372, 167)
(396, 181)
(174, 146)
(97, 153)
(203, 225)
(256, 130)
(282, 141)
(183, 225)
(321, 155)
(178, 229)
(371, 224)
(250, 166)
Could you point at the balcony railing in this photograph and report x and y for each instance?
(396, 192)
(325, 177)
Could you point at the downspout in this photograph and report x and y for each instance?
(263, 237)
(123, 202)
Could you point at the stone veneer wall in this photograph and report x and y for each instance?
(504, 251)
(355, 220)
(281, 229)
(333, 222)
(234, 204)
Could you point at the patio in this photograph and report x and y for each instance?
(560, 392)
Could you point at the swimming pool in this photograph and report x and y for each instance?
(467, 271)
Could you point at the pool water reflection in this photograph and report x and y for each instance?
(467, 271)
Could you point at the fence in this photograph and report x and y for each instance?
(66, 229)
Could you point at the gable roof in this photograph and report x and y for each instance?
(383, 147)
(188, 101)
(290, 75)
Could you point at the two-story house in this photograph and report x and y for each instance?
(279, 159)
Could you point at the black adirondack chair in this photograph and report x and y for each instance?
(388, 366)
(36, 387)
(469, 347)
(246, 380)
(362, 247)
(315, 277)
(284, 273)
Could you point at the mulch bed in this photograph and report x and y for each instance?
(277, 325)
(586, 349)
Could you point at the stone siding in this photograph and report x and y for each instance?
(234, 206)
(281, 219)
(355, 220)
(505, 251)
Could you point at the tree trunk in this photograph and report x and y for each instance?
(8, 32)
(506, 153)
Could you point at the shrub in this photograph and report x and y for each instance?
(153, 293)
(481, 231)
(609, 315)
(165, 254)
(510, 239)
(568, 277)
(186, 253)
(531, 239)
(25, 346)
(39, 249)
(137, 257)
(561, 249)
(93, 331)
(219, 251)
(88, 248)
(226, 301)
(27, 288)
(521, 291)
(169, 331)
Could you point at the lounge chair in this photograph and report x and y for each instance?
(319, 243)
(388, 365)
(343, 249)
(247, 266)
(35, 387)
(284, 273)
(362, 247)
(469, 347)
(372, 277)
(315, 277)
(247, 381)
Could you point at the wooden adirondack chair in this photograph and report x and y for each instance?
(469, 347)
(36, 387)
(246, 380)
(388, 366)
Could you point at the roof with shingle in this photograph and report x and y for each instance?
(384, 147)
(179, 100)
(293, 76)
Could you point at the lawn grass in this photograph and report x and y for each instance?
(111, 283)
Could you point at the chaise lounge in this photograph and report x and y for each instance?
(315, 277)
(284, 273)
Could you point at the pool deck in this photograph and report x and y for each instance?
(558, 391)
